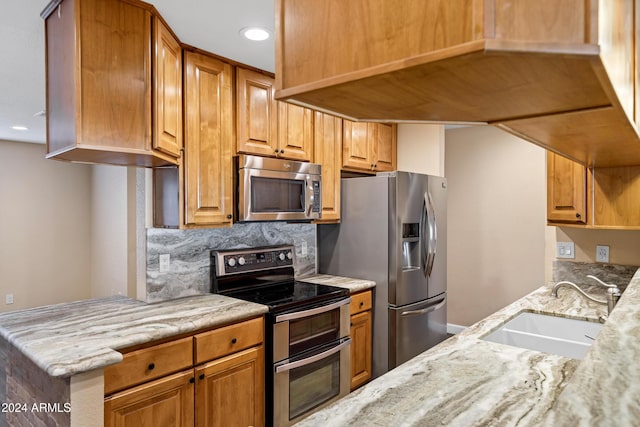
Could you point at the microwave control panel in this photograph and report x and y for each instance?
(316, 196)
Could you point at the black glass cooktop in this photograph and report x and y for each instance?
(293, 294)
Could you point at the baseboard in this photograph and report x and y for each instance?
(455, 329)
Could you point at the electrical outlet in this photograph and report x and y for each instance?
(8, 299)
(165, 263)
(565, 250)
(602, 253)
(303, 249)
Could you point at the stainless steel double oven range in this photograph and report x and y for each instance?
(307, 353)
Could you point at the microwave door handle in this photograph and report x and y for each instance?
(312, 359)
(313, 311)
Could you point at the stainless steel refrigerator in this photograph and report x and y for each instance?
(393, 231)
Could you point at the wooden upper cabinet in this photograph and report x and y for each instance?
(209, 137)
(257, 117)
(328, 153)
(295, 132)
(566, 190)
(385, 148)
(369, 147)
(267, 127)
(99, 84)
(528, 66)
(167, 136)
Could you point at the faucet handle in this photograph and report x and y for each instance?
(601, 282)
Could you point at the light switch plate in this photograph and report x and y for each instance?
(165, 262)
(565, 250)
(602, 253)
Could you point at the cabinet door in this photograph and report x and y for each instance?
(295, 132)
(164, 402)
(360, 348)
(230, 391)
(357, 148)
(208, 167)
(385, 148)
(167, 135)
(257, 113)
(328, 153)
(566, 190)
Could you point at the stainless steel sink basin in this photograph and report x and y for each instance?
(550, 334)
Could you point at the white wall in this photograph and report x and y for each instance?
(109, 253)
(45, 227)
(421, 148)
(496, 221)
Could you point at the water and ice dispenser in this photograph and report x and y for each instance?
(410, 246)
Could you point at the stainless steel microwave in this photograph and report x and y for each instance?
(278, 190)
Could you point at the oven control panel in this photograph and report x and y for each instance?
(254, 259)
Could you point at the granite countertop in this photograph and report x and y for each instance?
(470, 382)
(70, 338)
(354, 285)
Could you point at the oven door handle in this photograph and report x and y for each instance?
(313, 311)
(312, 359)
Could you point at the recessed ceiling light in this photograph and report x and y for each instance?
(19, 128)
(255, 33)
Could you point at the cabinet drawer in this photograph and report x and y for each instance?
(227, 340)
(361, 302)
(149, 363)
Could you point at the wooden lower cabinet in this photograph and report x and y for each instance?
(225, 388)
(361, 331)
(230, 391)
(167, 402)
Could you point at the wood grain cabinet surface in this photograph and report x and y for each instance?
(328, 153)
(562, 74)
(566, 190)
(222, 385)
(369, 147)
(267, 127)
(100, 58)
(603, 198)
(361, 344)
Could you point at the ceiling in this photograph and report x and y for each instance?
(212, 25)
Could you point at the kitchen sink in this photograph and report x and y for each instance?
(550, 334)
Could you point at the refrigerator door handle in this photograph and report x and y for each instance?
(429, 234)
(424, 310)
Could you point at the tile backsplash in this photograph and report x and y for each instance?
(189, 253)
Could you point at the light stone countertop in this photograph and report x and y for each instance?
(466, 381)
(70, 338)
(354, 285)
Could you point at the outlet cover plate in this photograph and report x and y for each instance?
(602, 253)
(165, 263)
(565, 250)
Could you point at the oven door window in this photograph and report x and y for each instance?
(277, 195)
(309, 332)
(313, 384)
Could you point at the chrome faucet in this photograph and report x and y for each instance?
(613, 293)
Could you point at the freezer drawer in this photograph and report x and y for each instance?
(415, 328)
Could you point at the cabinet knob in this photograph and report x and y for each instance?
(201, 376)
(281, 151)
(361, 303)
(151, 366)
(192, 380)
(229, 216)
(577, 215)
(277, 151)
(233, 341)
